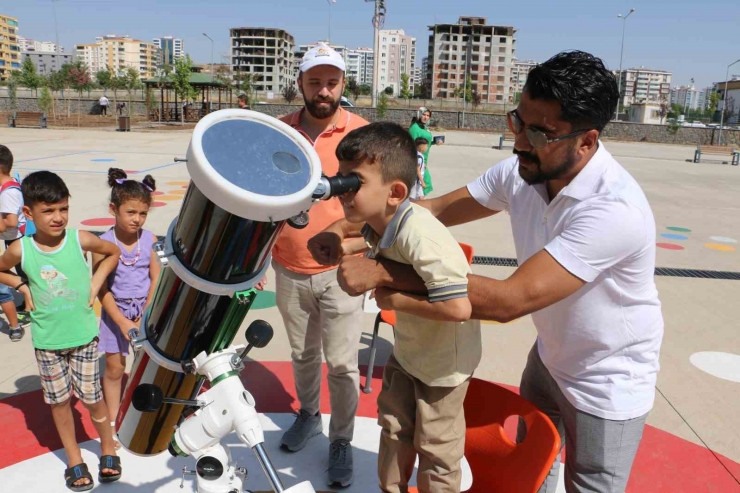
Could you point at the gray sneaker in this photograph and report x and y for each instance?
(17, 333)
(304, 427)
(340, 464)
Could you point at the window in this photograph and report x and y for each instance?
(454, 38)
(383, 55)
(502, 40)
(383, 63)
(385, 40)
(502, 49)
(393, 40)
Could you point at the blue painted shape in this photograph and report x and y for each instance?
(256, 157)
(672, 236)
(52, 157)
(103, 160)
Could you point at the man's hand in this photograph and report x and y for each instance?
(26, 292)
(261, 285)
(326, 248)
(356, 275)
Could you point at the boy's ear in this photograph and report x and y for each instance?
(27, 212)
(399, 192)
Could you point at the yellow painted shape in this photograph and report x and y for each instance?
(177, 192)
(721, 248)
(167, 197)
(178, 183)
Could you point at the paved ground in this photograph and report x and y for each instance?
(693, 443)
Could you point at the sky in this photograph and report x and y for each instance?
(692, 39)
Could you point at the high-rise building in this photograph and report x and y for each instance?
(397, 56)
(170, 48)
(266, 53)
(10, 51)
(642, 85)
(119, 53)
(33, 45)
(47, 62)
(471, 48)
(686, 97)
(519, 71)
(418, 76)
(360, 65)
(704, 97)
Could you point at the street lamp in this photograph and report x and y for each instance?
(724, 105)
(330, 2)
(207, 36)
(56, 28)
(621, 54)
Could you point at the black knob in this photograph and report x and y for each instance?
(147, 398)
(259, 333)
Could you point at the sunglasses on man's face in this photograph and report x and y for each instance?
(536, 138)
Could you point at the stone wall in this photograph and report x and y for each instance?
(449, 120)
(88, 106)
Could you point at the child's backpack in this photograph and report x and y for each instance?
(28, 228)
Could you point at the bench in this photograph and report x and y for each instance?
(730, 152)
(27, 119)
(507, 135)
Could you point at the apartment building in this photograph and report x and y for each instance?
(119, 53)
(642, 85)
(33, 45)
(170, 48)
(519, 71)
(266, 53)
(48, 62)
(474, 49)
(360, 65)
(686, 96)
(397, 56)
(10, 51)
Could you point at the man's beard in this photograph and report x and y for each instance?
(319, 112)
(538, 175)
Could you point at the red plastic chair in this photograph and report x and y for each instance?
(389, 317)
(498, 464)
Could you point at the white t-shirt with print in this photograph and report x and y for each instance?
(11, 202)
(601, 344)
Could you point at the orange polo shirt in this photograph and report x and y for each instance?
(291, 248)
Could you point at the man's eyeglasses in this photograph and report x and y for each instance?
(535, 137)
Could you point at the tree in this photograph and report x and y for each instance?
(713, 102)
(246, 83)
(290, 93)
(164, 77)
(517, 97)
(55, 83)
(663, 111)
(388, 90)
(65, 82)
(131, 83)
(366, 89)
(103, 78)
(728, 108)
(382, 108)
(79, 80)
(466, 90)
(12, 91)
(354, 88)
(181, 80)
(46, 102)
(29, 77)
(405, 91)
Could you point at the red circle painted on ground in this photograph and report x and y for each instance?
(669, 246)
(99, 221)
(157, 192)
(159, 204)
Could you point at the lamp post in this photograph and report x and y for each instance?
(330, 2)
(724, 105)
(378, 23)
(56, 28)
(621, 54)
(207, 36)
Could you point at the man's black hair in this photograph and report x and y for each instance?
(6, 159)
(43, 187)
(386, 144)
(586, 90)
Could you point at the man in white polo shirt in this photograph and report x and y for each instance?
(585, 240)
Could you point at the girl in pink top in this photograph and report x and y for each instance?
(131, 285)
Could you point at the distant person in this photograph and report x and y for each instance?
(418, 129)
(120, 107)
(417, 191)
(103, 101)
(243, 102)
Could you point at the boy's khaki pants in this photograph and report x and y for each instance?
(423, 420)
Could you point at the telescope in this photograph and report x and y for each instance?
(251, 175)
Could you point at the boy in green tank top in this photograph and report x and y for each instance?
(64, 329)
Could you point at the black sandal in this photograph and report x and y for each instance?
(74, 474)
(109, 462)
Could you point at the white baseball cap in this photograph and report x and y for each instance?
(322, 55)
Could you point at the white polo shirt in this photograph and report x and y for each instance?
(602, 343)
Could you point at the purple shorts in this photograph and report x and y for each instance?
(111, 337)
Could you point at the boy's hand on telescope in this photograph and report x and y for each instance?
(26, 292)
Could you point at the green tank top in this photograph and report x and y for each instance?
(60, 286)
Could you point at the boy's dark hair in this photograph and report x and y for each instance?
(386, 144)
(242, 97)
(6, 160)
(586, 90)
(43, 186)
(123, 189)
(421, 141)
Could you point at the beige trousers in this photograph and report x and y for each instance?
(419, 419)
(318, 315)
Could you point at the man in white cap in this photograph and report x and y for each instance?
(316, 312)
